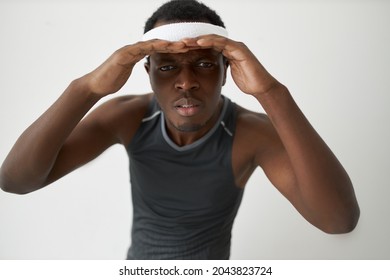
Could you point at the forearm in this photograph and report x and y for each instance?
(34, 153)
(325, 189)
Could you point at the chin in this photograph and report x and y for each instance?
(188, 127)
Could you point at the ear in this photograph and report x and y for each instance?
(147, 67)
(226, 66)
(147, 64)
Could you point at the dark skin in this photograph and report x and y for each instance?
(186, 78)
(197, 78)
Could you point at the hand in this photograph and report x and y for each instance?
(115, 71)
(247, 72)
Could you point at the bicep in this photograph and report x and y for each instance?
(112, 123)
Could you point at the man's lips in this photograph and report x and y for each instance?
(187, 102)
(187, 107)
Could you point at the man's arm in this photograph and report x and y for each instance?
(303, 168)
(57, 142)
(28, 165)
(293, 156)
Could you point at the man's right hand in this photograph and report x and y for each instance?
(110, 76)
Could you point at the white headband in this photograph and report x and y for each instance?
(178, 31)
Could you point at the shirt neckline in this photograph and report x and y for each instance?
(198, 142)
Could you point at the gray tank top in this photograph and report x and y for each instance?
(184, 198)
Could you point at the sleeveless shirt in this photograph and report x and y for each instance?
(184, 197)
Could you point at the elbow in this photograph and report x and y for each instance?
(13, 189)
(342, 229)
(344, 223)
(9, 186)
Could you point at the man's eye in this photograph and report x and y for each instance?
(205, 64)
(166, 68)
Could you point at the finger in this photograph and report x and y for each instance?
(191, 42)
(218, 43)
(215, 42)
(141, 49)
(232, 50)
(162, 46)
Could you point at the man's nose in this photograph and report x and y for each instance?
(186, 79)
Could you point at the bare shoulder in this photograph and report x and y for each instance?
(252, 125)
(121, 116)
(125, 105)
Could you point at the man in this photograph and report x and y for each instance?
(191, 149)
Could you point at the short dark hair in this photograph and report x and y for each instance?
(183, 10)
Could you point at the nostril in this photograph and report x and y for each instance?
(187, 85)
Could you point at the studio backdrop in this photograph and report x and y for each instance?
(332, 55)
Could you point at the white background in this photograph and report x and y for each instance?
(333, 56)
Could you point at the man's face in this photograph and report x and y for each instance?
(188, 87)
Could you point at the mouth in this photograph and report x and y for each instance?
(187, 107)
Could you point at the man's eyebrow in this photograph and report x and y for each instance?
(164, 58)
(207, 57)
